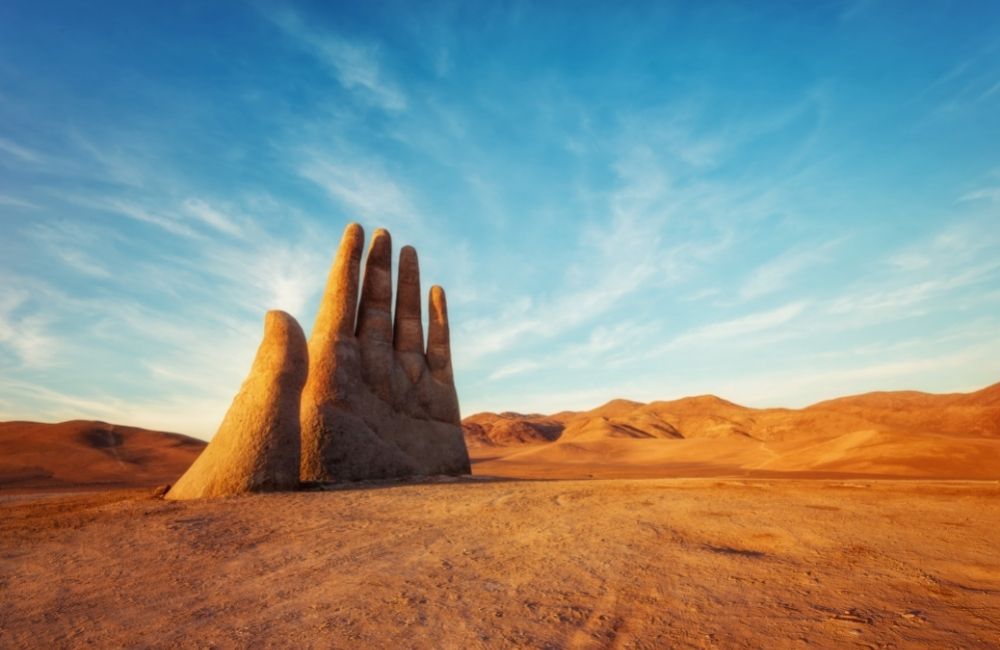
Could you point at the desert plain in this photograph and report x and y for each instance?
(871, 521)
(467, 563)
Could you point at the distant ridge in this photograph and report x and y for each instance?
(901, 433)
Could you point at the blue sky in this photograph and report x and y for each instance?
(773, 202)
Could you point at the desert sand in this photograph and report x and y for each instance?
(904, 434)
(467, 563)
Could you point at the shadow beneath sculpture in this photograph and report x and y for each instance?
(364, 399)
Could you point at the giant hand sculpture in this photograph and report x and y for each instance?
(376, 405)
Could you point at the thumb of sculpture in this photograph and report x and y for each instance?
(257, 447)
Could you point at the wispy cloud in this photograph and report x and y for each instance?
(736, 327)
(899, 301)
(967, 83)
(17, 203)
(83, 263)
(123, 162)
(618, 257)
(514, 368)
(920, 275)
(928, 369)
(182, 220)
(74, 245)
(606, 340)
(605, 346)
(355, 65)
(989, 92)
(186, 313)
(363, 187)
(19, 152)
(272, 274)
(73, 406)
(774, 276)
(853, 9)
(142, 214)
(184, 413)
(25, 332)
(212, 216)
(989, 194)
(656, 227)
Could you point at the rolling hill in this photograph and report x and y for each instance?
(904, 434)
(81, 453)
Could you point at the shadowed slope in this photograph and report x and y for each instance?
(77, 453)
(506, 429)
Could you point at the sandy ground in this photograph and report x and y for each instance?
(964, 459)
(495, 564)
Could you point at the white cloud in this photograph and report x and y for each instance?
(17, 203)
(355, 65)
(702, 294)
(271, 274)
(989, 194)
(212, 217)
(600, 348)
(749, 324)
(921, 372)
(17, 151)
(514, 368)
(24, 331)
(627, 253)
(141, 214)
(68, 242)
(175, 219)
(989, 92)
(775, 275)
(443, 62)
(853, 9)
(364, 188)
(910, 261)
(961, 255)
(605, 339)
(73, 406)
(82, 262)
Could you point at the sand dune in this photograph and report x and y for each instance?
(886, 434)
(80, 453)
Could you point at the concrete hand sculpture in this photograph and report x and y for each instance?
(377, 404)
(363, 400)
(256, 448)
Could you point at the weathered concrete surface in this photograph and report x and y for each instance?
(257, 446)
(377, 403)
